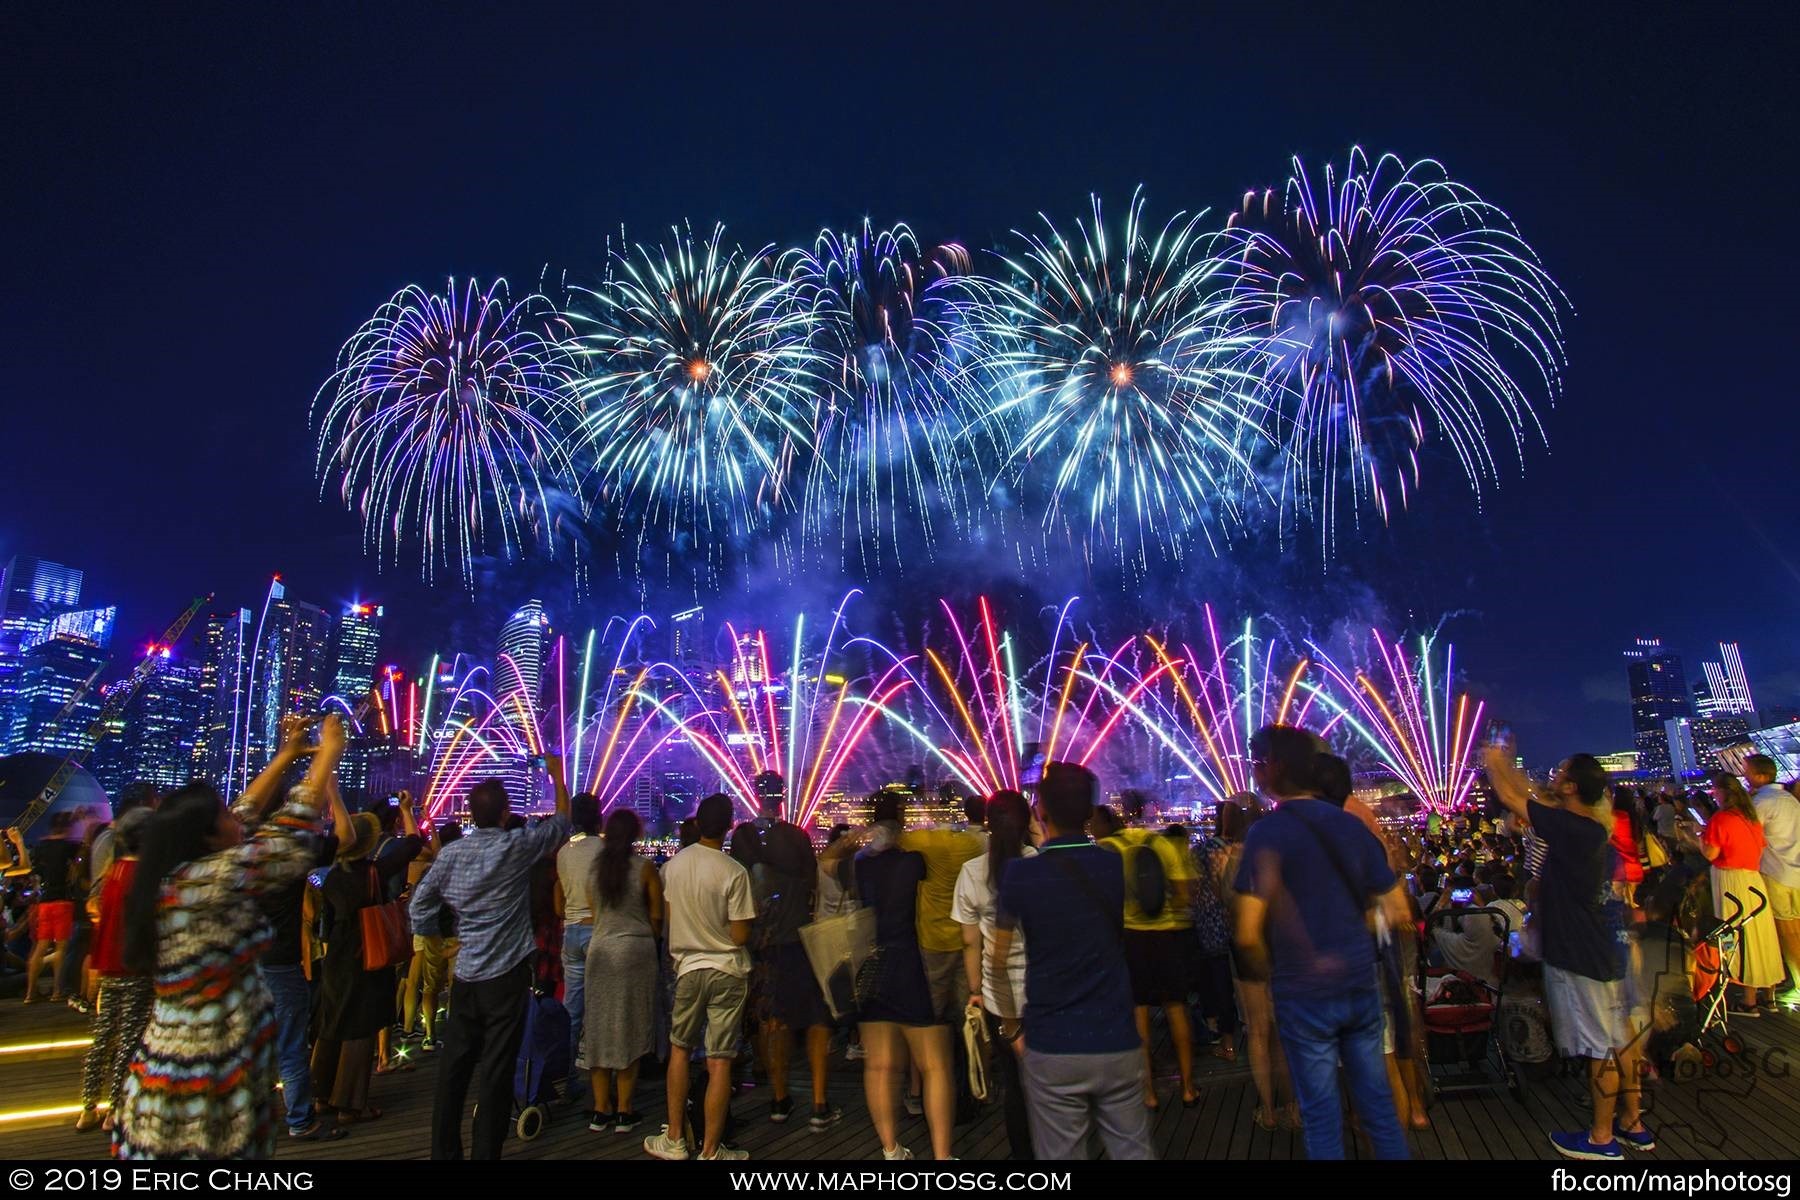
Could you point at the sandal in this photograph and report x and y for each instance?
(1224, 1053)
(89, 1119)
(359, 1117)
(318, 1131)
(1265, 1121)
(394, 1067)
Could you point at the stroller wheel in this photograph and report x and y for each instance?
(1732, 1044)
(532, 1121)
(1708, 1059)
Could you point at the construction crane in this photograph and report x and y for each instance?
(109, 712)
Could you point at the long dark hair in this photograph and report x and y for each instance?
(177, 835)
(1008, 821)
(622, 829)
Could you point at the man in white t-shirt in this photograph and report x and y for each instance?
(1779, 813)
(710, 910)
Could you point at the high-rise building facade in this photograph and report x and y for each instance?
(164, 722)
(519, 662)
(356, 643)
(225, 651)
(57, 696)
(1726, 686)
(1659, 695)
(289, 673)
(33, 592)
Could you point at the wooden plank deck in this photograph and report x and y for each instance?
(1748, 1109)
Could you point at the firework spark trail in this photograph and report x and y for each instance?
(1409, 726)
(702, 388)
(1110, 374)
(446, 423)
(1390, 303)
(898, 392)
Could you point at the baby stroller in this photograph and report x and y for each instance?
(1719, 963)
(543, 1062)
(1461, 1013)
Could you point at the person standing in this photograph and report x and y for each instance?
(574, 904)
(945, 849)
(1159, 936)
(1309, 874)
(1779, 813)
(356, 1003)
(429, 970)
(625, 895)
(484, 879)
(124, 1001)
(1008, 829)
(1734, 842)
(203, 1082)
(1583, 944)
(710, 910)
(54, 862)
(1080, 1054)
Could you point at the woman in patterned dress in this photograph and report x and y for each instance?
(203, 1082)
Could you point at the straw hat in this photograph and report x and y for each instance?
(358, 841)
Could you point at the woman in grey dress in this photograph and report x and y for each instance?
(619, 1021)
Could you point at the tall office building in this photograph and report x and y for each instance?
(519, 662)
(289, 673)
(1659, 695)
(33, 591)
(356, 642)
(164, 723)
(687, 637)
(225, 649)
(56, 696)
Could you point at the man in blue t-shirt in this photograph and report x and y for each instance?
(1309, 874)
(1078, 1042)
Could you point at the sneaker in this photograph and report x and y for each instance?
(429, 1046)
(854, 1052)
(1643, 1139)
(915, 1105)
(625, 1122)
(897, 1154)
(600, 1122)
(780, 1110)
(726, 1154)
(665, 1147)
(825, 1116)
(1737, 1008)
(1577, 1145)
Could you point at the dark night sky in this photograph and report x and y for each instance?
(203, 205)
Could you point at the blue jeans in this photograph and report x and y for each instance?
(574, 956)
(293, 1014)
(1317, 1033)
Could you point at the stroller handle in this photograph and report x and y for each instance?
(1737, 907)
(1762, 902)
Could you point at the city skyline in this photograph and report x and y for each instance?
(1543, 578)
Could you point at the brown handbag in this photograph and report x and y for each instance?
(386, 930)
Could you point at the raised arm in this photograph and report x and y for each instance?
(553, 763)
(409, 817)
(264, 792)
(22, 856)
(1510, 785)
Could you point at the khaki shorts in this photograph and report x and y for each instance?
(713, 1001)
(946, 981)
(1784, 901)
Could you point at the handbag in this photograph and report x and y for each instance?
(386, 930)
(839, 948)
(975, 1047)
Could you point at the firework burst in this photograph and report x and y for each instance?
(701, 389)
(445, 423)
(1387, 305)
(1108, 370)
(897, 390)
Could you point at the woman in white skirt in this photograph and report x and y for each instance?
(1733, 843)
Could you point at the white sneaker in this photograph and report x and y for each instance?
(725, 1154)
(665, 1147)
(854, 1051)
(896, 1154)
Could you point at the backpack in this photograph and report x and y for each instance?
(1149, 882)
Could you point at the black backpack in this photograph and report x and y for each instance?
(1149, 882)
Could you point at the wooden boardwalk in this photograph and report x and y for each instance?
(1747, 1110)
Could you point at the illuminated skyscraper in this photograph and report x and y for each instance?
(1659, 695)
(33, 592)
(165, 722)
(289, 673)
(356, 643)
(57, 696)
(225, 649)
(687, 637)
(1727, 689)
(519, 663)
